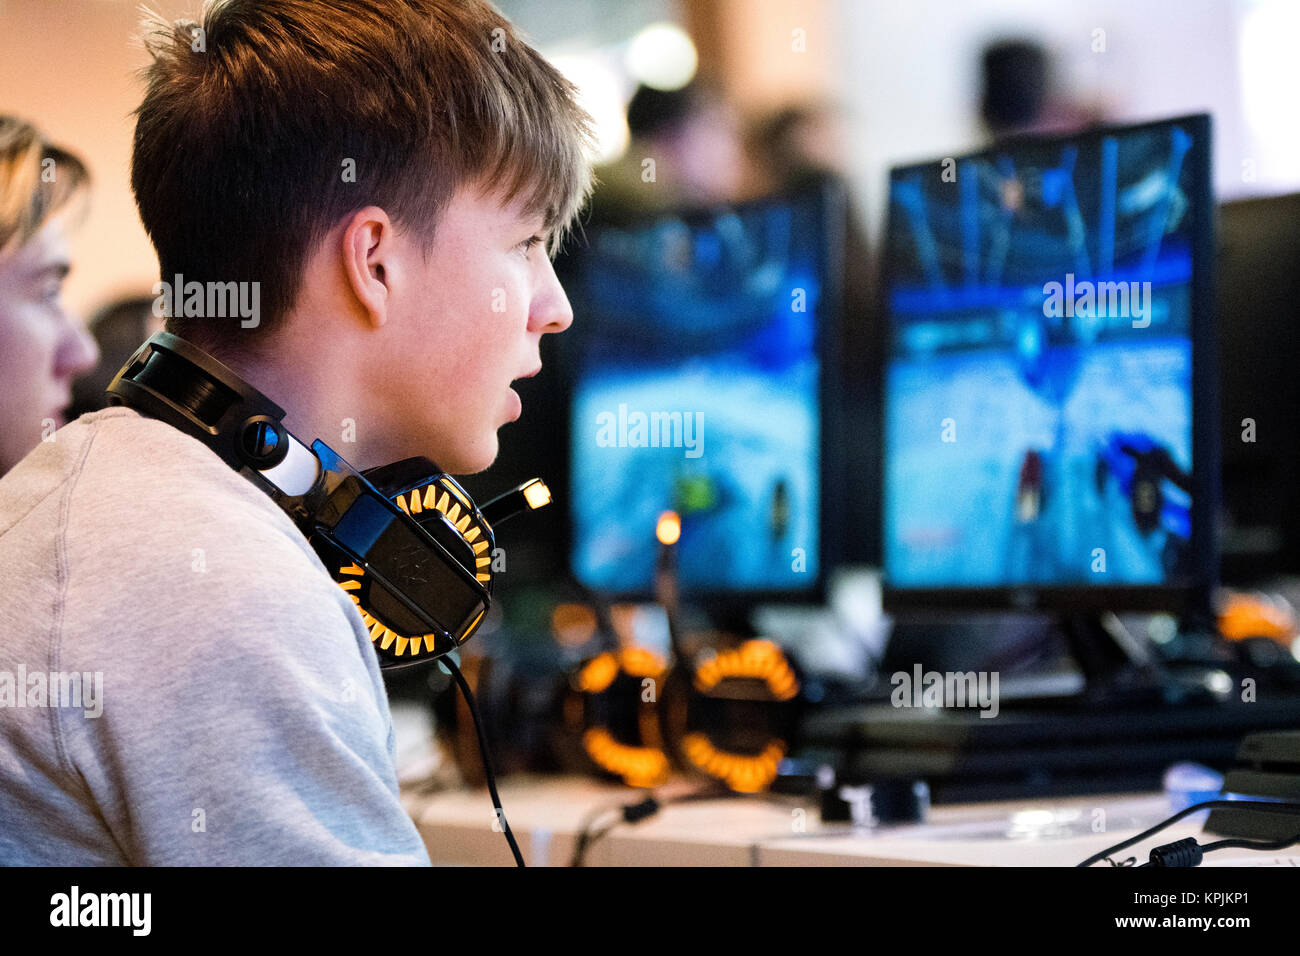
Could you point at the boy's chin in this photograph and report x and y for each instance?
(471, 459)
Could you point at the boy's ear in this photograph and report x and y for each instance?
(368, 260)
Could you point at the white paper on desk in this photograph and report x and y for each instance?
(1060, 824)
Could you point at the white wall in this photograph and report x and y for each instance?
(911, 83)
(68, 66)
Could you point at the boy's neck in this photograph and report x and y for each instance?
(316, 397)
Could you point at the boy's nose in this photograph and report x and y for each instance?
(550, 311)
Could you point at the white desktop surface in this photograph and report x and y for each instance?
(546, 815)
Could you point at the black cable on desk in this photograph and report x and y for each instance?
(450, 664)
(1180, 855)
(588, 836)
(1187, 852)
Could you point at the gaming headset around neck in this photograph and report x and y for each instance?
(404, 540)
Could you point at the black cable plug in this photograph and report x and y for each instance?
(1185, 852)
(636, 812)
(1253, 806)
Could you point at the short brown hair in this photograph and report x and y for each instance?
(37, 179)
(251, 116)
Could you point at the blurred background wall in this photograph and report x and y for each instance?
(68, 66)
(912, 84)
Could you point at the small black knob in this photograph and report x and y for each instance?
(263, 443)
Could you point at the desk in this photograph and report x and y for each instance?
(547, 814)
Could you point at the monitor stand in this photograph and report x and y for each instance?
(1115, 666)
(1121, 669)
(1084, 656)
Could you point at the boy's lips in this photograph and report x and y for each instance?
(516, 403)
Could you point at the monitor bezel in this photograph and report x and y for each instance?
(831, 196)
(1193, 594)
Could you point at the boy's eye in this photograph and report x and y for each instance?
(527, 244)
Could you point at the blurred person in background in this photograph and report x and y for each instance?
(119, 328)
(1021, 94)
(796, 146)
(693, 136)
(42, 347)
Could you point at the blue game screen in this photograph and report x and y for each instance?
(1038, 393)
(697, 390)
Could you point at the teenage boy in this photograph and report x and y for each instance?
(382, 181)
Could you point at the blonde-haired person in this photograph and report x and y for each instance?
(42, 347)
(383, 180)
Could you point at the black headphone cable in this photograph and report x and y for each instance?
(450, 665)
(1188, 852)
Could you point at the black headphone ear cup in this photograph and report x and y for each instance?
(730, 715)
(444, 512)
(394, 647)
(443, 509)
(611, 706)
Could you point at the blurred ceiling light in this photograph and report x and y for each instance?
(662, 56)
(600, 93)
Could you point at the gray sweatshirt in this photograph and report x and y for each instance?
(181, 681)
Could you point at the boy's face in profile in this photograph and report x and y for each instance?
(466, 323)
(42, 348)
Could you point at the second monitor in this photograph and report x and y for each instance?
(699, 379)
(1049, 397)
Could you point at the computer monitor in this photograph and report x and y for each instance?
(1050, 417)
(699, 373)
(1258, 317)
